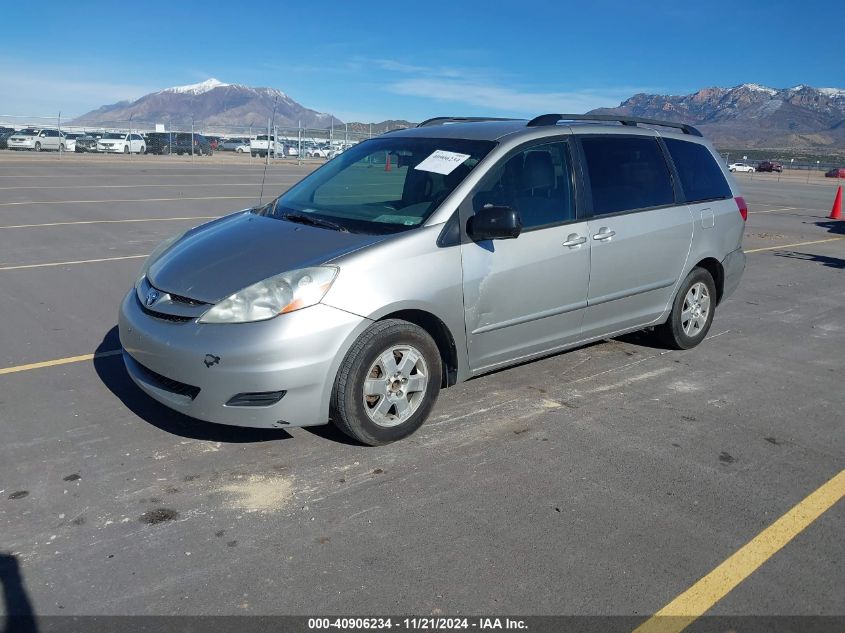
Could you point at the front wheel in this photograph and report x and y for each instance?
(387, 384)
(61, 147)
(125, 149)
(692, 311)
(37, 146)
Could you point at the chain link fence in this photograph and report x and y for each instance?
(270, 142)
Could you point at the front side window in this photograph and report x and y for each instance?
(700, 176)
(383, 185)
(537, 182)
(626, 173)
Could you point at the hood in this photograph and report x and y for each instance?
(216, 260)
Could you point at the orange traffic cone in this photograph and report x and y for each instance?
(836, 210)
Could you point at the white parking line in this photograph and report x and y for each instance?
(30, 226)
(79, 261)
(197, 184)
(774, 210)
(17, 204)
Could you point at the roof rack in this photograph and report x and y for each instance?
(441, 120)
(553, 119)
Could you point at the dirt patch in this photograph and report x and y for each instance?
(159, 515)
(258, 493)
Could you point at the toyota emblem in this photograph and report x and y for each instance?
(152, 297)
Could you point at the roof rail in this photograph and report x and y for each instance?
(553, 119)
(441, 120)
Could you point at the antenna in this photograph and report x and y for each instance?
(273, 127)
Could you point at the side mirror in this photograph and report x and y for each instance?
(494, 223)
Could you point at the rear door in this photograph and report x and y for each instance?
(527, 295)
(640, 234)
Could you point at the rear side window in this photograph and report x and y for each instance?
(700, 176)
(626, 173)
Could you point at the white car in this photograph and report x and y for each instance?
(317, 152)
(37, 139)
(70, 140)
(120, 143)
(741, 167)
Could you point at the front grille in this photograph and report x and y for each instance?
(169, 384)
(173, 318)
(186, 300)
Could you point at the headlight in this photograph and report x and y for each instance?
(277, 295)
(157, 251)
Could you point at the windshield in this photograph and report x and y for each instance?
(115, 136)
(382, 185)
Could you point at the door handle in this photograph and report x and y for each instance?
(573, 239)
(604, 234)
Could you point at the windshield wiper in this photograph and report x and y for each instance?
(303, 218)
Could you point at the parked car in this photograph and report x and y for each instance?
(507, 241)
(234, 145)
(158, 142)
(70, 140)
(836, 172)
(36, 139)
(5, 133)
(769, 165)
(88, 142)
(741, 167)
(259, 146)
(122, 143)
(317, 151)
(183, 142)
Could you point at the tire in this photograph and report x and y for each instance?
(691, 317)
(61, 147)
(416, 373)
(239, 151)
(143, 150)
(126, 149)
(37, 146)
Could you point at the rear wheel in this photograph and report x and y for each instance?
(692, 312)
(61, 147)
(387, 384)
(125, 149)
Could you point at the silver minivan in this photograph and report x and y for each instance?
(427, 256)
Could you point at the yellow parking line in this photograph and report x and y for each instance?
(695, 601)
(79, 261)
(13, 204)
(782, 246)
(30, 226)
(58, 361)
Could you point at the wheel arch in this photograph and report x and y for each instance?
(714, 267)
(441, 334)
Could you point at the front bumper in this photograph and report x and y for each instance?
(734, 267)
(298, 353)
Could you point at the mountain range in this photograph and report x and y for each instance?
(211, 103)
(749, 115)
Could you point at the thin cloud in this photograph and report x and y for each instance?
(492, 96)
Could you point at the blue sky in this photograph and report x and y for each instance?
(370, 61)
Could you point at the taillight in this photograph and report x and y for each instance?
(743, 208)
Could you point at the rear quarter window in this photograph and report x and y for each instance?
(626, 173)
(700, 176)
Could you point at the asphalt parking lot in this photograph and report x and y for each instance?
(606, 480)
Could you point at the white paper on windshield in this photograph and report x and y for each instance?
(442, 162)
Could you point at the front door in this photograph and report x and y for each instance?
(526, 296)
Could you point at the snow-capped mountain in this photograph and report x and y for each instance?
(751, 115)
(210, 103)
